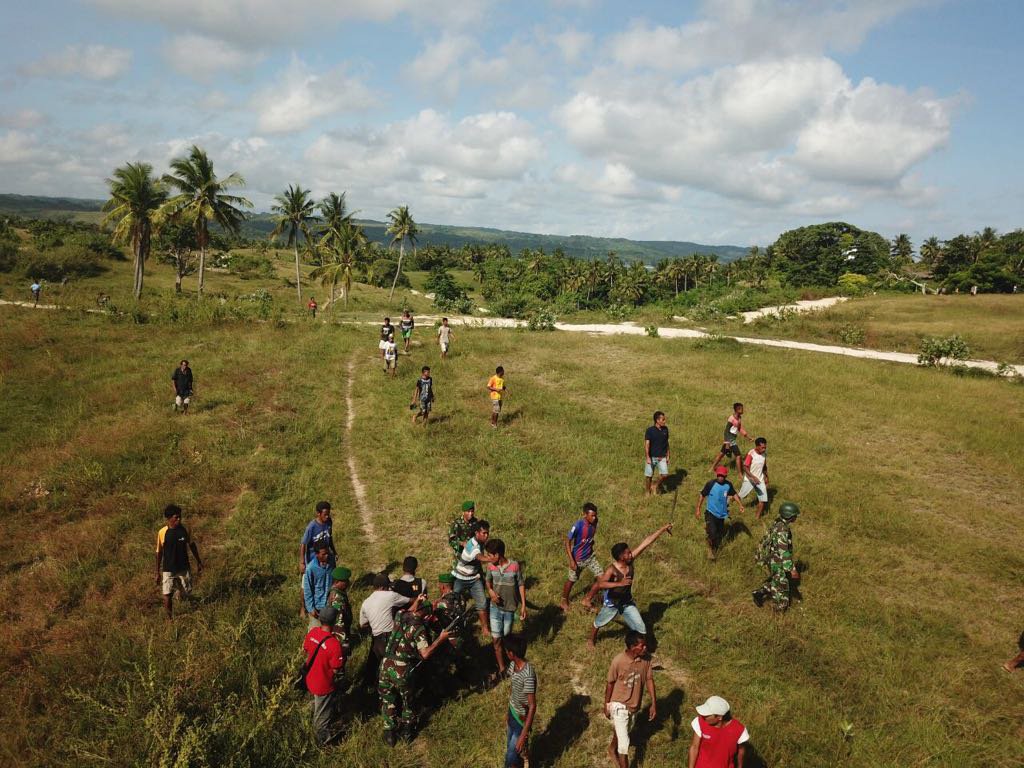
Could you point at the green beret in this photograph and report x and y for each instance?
(341, 574)
(446, 578)
(468, 505)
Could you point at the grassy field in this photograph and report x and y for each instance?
(992, 324)
(911, 582)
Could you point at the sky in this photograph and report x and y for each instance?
(715, 121)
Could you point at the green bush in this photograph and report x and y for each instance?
(249, 266)
(382, 272)
(449, 296)
(541, 320)
(851, 334)
(8, 256)
(936, 351)
(651, 330)
(513, 305)
(853, 284)
(64, 261)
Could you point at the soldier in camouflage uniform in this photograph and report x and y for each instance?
(339, 600)
(461, 529)
(776, 554)
(407, 645)
(448, 607)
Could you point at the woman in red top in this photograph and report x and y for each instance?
(718, 740)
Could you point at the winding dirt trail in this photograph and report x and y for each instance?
(365, 517)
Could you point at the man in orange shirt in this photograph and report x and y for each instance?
(496, 389)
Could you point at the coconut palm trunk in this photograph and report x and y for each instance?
(298, 273)
(401, 255)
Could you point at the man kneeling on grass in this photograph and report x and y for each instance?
(628, 675)
(172, 566)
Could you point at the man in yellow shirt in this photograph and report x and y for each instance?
(496, 389)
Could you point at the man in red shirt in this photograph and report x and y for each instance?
(325, 668)
(719, 741)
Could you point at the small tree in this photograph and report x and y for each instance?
(935, 351)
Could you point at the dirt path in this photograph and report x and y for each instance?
(365, 518)
(809, 305)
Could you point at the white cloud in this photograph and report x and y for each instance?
(728, 31)
(270, 22)
(299, 97)
(22, 118)
(201, 57)
(95, 62)
(572, 43)
(757, 131)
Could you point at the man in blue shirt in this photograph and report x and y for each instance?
(319, 531)
(316, 583)
(579, 546)
(718, 493)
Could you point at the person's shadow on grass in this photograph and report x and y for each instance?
(565, 728)
(670, 709)
(511, 417)
(734, 529)
(656, 612)
(673, 480)
(544, 623)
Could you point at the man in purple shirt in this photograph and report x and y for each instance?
(579, 546)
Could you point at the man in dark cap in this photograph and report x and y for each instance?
(461, 528)
(339, 600)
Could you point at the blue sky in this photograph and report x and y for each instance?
(721, 121)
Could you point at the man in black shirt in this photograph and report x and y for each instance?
(182, 382)
(172, 565)
(655, 453)
(423, 396)
(386, 331)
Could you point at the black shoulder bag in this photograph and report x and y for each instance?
(299, 684)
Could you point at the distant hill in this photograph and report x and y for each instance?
(261, 224)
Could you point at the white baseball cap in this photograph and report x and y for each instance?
(715, 705)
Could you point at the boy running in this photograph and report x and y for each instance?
(444, 337)
(390, 356)
(718, 492)
(424, 395)
(172, 566)
(755, 474)
(406, 324)
(496, 389)
(733, 429)
(579, 547)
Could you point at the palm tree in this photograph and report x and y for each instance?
(201, 199)
(931, 251)
(901, 250)
(294, 208)
(401, 227)
(135, 197)
(334, 214)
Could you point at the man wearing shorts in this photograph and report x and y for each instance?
(172, 565)
(406, 324)
(733, 429)
(423, 396)
(617, 583)
(182, 382)
(656, 453)
(579, 547)
(496, 391)
(386, 330)
(390, 356)
(755, 474)
(507, 592)
(444, 337)
(628, 676)
(467, 571)
(718, 493)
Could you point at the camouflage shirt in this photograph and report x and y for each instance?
(459, 532)
(405, 642)
(338, 599)
(447, 608)
(776, 550)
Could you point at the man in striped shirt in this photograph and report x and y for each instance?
(579, 546)
(467, 571)
(522, 701)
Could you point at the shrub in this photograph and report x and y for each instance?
(249, 266)
(8, 256)
(382, 272)
(448, 295)
(716, 341)
(852, 283)
(651, 330)
(513, 305)
(62, 262)
(541, 320)
(850, 333)
(619, 312)
(936, 351)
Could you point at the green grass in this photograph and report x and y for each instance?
(992, 324)
(909, 586)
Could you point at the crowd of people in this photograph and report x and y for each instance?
(415, 639)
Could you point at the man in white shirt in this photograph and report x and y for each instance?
(377, 613)
(755, 474)
(390, 356)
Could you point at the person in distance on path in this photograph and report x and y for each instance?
(391, 356)
(423, 395)
(405, 325)
(173, 543)
(617, 583)
(628, 676)
(656, 453)
(733, 429)
(755, 474)
(719, 740)
(36, 288)
(718, 493)
(386, 330)
(579, 548)
(183, 384)
(776, 554)
(444, 337)
(496, 391)
(312, 307)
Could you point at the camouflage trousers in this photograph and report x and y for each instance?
(395, 691)
(777, 588)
